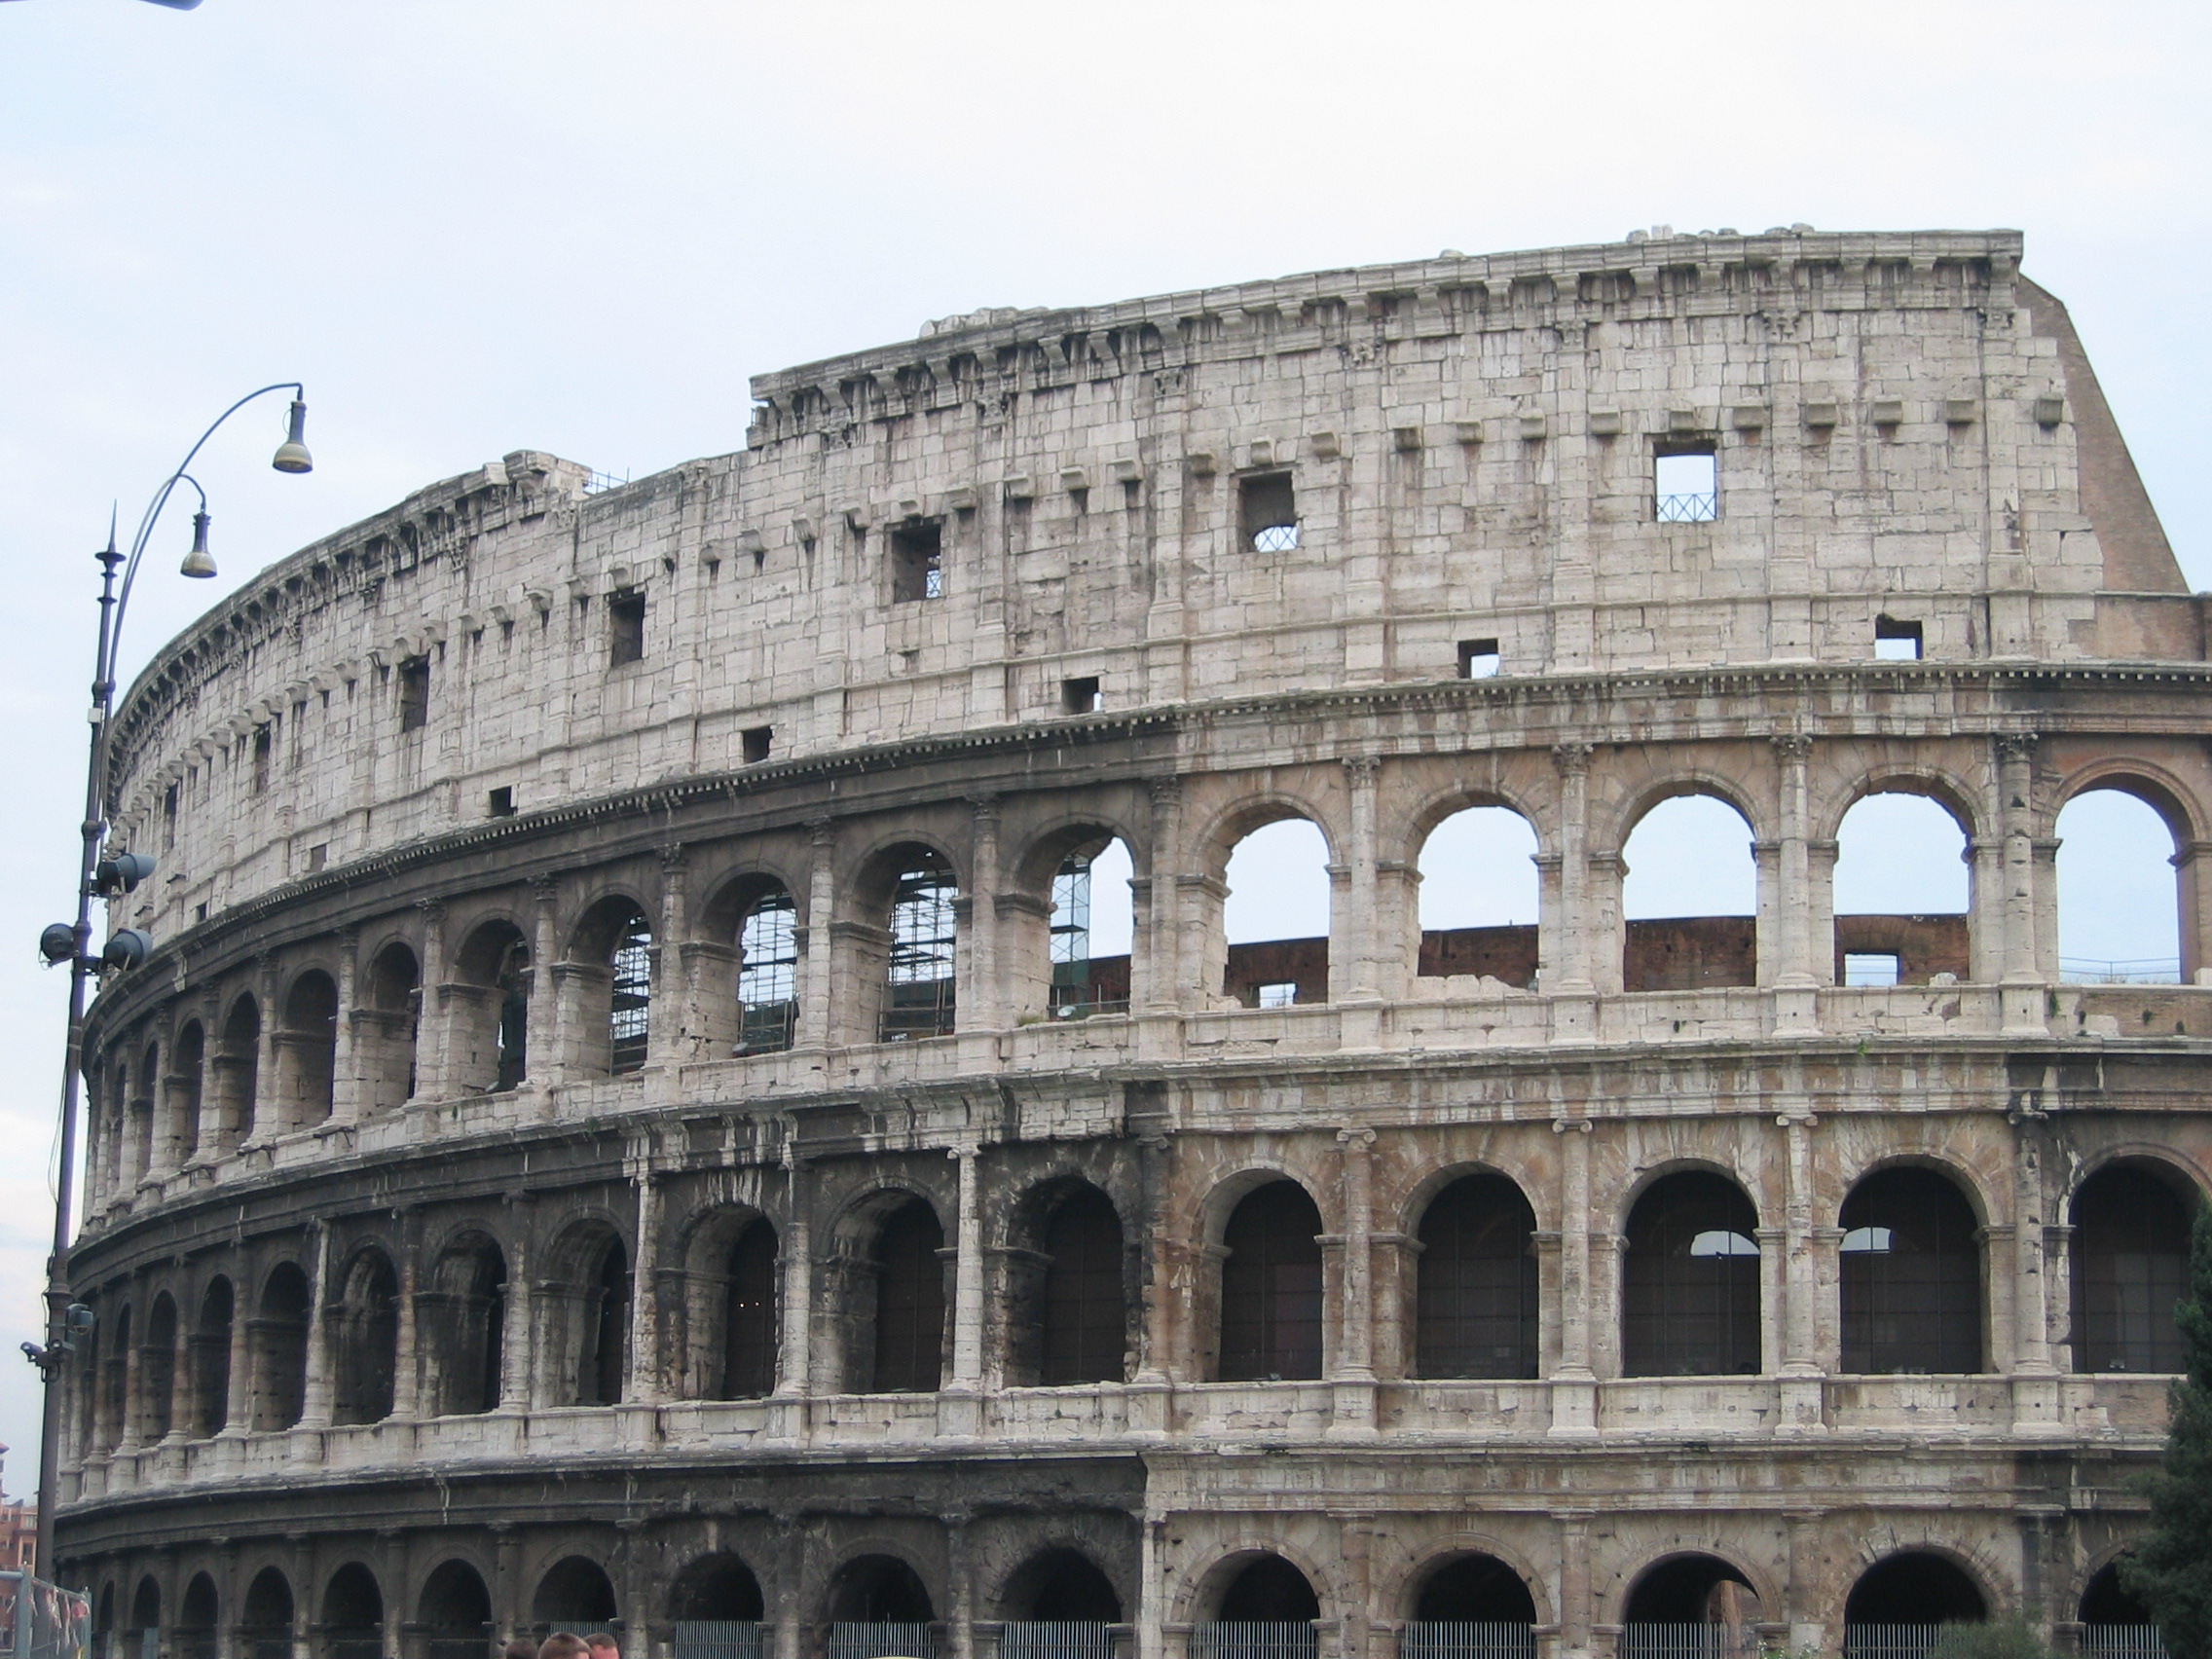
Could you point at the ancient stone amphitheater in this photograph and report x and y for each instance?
(626, 1124)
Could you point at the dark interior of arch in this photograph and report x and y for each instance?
(880, 1589)
(268, 1602)
(909, 1301)
(1084, 1320)
(2106, 1600)
(575, 1590)
(351, 1600)
(1269, 1590)
(1476, 1297)
(1063, 1586)
(717, 1587)
(1690, 1285)
(1912, 1275)
(1476, 1589)
(453, 1599)
(749, 1314)
(146, 1606)
(1683, 1590)
(1271, 1286)
(198, 1608)
(2130, 1262)
(1914, 1589)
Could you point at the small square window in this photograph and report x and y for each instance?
(1685, 487)
(501, 802)
(264, 744)
(917, 560)
(1870, 969)
(1896, 640)
(1478, 659)
(625, 629)
(413, 693)
(758, 741)
(1082, 696)
(199, 912)
(318, 856)
(1268, 505)
(1277, 996)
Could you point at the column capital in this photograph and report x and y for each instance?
(1793, 746)
(2017, 745)
(674, 856)
(1166, 792)
(544, 890)
(1573, 759)
(1362, 769)
(821, 832)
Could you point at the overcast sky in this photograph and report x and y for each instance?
(474, 226)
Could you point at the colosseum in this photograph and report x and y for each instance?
(700, 1075)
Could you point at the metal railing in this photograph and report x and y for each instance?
(718, 1639)
(39, 1620)
(1689, 509)
(1688, 1641)
(1452, 1640)
(1892, 1640)
(1252, 1640)
(1055, 1638)
(882, 1641)
(2126, 971)
(2124, 1642)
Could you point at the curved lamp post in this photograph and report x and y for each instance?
(107, 878)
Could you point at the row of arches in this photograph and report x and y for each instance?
(1910, 1299)
(1062, 1585)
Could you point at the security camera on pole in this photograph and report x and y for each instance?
(110, 878)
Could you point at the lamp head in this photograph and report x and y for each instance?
(292, 454)
(198, 562)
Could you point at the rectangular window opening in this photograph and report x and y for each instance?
(1082, 696)
(1685, 486)
(1478, 659)
(318, 857)
(917, 560)
(625, 629)
(1268, 505)
(413, 693)
(758, 741)
(264, 744)
(501, 802)
(1896, 640)
(1277, 996)
(1870, 969)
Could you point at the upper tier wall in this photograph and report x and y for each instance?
(1901, 426)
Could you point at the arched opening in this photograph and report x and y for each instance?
(1479, 897)
(115, 1382)
(2130, 1262)
(307, 1051)
(1475, 1288)
(184, 1084)
(265, 1632)
(387, 1028)
(2115, 1625)
(909, 1302)
(749, 1314)
(718, 1589)
(456, 1612)
(597, 1306)
(1092, 929)
(143, 1636)
(1902, 892)
(1070, 1311)
(462, 1324)
(1267, 1611)
(878, 1607)
(1056, 1587)
(367, 1330)
(279, 1344)
(238, 1069)
(212, 1362)
(1271, 1286)
(1911, 1272)
(767, 972)
(199, 1620)
(139, 1163)
(1898, 1608)
(1689, 893)
(103, 1624)
(2119, 895)
(353, 1614)
(576, 1595)
(1276, 917)
(607, 987)
(156, 1370)
(1690, 1283)
(488, 1045)
(1472, 1606)
(921, 990)
(630, 996)
(1693, 1604)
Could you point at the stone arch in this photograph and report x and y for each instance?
(1065, 1291)
(1463, 934)
(2104, 890)
(267, 1615)
(718, 1588)
(186, 1090)
(878, 1588)
(1060, 1584)
(2155, 787)
(462, 1324)
(211, 1359)
(352, 1612)
(1469, 1586)
(235, 1065)
(1919, 1585)
(1691, 1281)
(909, 1328)
(1267, 967)
(586, 1299)
(1910, 1272)
(1475, 1281)
(387, 1026)
(1682, 942)
(1902, 908)
(1273, 1309)
(2106, 1600)
(904, 946)
(365, 1331)
(574, 1592)
(1260, 1586)
(1052, 913)
(145, 1608)
(277, 1347)
(454, 1609)
(487, 1042)
(143, 1132)
(732, 1304)
(1955, 794)
(1691, 1586)
(744, 965)
(199, 1618)
(156, 1370)
(2128, 1264)
(608, 983)
(306, 1050)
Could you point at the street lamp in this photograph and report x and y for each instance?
(109, 879)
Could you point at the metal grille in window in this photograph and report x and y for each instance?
(1687, 487)
(633, 997)
(767, 981)
(919, 999)
(1074, 993)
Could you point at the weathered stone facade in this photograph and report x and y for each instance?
(426, 1151)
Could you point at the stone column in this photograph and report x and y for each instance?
(667, 1027)
(406, 1367)
(316, 1394)
(981, 998)
(1358, 978)
(2194, 893)
(1574, 1395)
(2024, 999)
(542, 1024)
(1152, 1611)
(1566, 956)
(2035, 1387)
(237, 1403)
(645, 1382)
(817, 966)
(1802, 1596)
(1800, 1356)
(517, 1358)
(1157, 977)
(345, 1057)
(397, 1582)
(1354, 1373)
(795, 1333)
(968, 1279)
(1355, 1539)
(268, 1113)
(433, 1066)
(1790, 963)
(1574, 1598)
